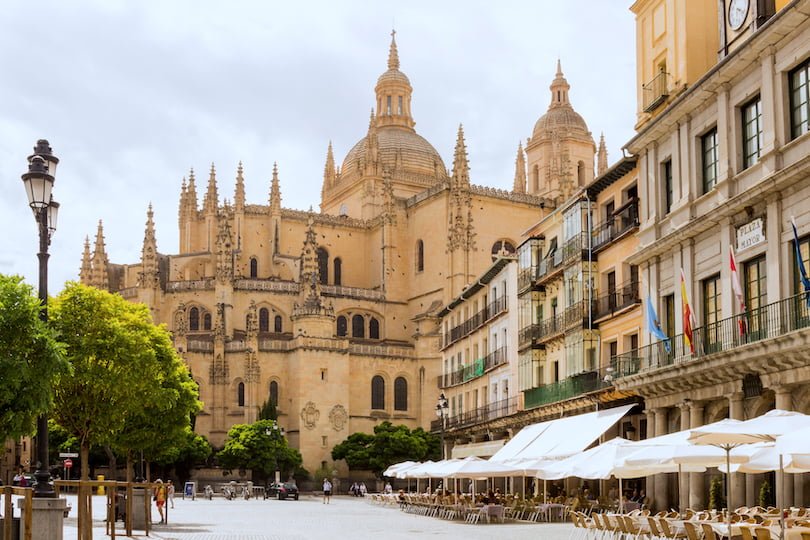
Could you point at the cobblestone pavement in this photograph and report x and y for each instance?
(309, 518)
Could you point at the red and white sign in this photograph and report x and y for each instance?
(68, 463)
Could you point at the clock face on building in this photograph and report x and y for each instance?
(737, 12)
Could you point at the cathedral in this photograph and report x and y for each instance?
(333, 314)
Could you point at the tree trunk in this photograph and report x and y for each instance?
(113, 462)
(85, 457)
(129, 466)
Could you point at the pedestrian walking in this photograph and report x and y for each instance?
(327, 491)
(170, 493)
(159, 496)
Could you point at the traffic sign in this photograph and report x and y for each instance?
(68, 463)
(68, 454)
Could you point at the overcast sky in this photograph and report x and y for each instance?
(131, 94)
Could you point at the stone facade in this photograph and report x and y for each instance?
(334, 315)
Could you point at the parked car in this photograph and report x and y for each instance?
(283, 490)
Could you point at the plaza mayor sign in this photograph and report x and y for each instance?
(750, 234)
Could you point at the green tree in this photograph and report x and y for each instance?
(121, 365)
(388, 445)
(261, 448)
(30, 359)
(268, 411)
(192, 450)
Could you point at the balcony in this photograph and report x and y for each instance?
(573, 386)
(768, 322)
(497, 409)
(474, 370)
(528, 334)
(656, 91)
(550, 266)
(621, 223)
(494, 308)
(617, 301)
(548, 329)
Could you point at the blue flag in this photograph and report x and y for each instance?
(800, 262)
(653, 326)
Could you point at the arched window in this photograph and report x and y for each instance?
(194, 319)
(377, 392)
(207, 321)
(420, 256)
(277, 324)
(337, 274)
(502, 245)
(374, 328)
(264, 320)
(240, 394)
(400, 394)
(358, 326)
(254, 267)
(323, 265)
(342, 326)
(274, 393)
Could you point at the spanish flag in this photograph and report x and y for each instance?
(687, 316)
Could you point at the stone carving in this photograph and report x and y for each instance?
(310, 415)
(338, 417)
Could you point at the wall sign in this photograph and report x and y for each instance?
(750, 234)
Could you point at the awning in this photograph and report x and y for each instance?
(561, 437)
(480, 449)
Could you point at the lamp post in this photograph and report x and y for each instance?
(275, 429)
(441, 411)
(38, 185)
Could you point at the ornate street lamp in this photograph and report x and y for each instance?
(273, 431)
(441, 411)
(38, 185)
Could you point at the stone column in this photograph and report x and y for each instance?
(650, 480)
(661, 481)
(697, 493)
(46, 519)
(784, 483)
(738, 487)
(683, 479)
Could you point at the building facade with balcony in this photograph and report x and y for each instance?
(579, 300)
(479, 359)
(724, 166)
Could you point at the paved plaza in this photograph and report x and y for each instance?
(308, 518)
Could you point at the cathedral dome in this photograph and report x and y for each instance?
(393, 75)
(560, 115)
(399, 149)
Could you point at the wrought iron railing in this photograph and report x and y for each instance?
(616, 226)
(497, 409)
(767, 322)
(527, 334)
(656, 91)
(568, 388)
(476, 369)
(496, 307)
(614, 301)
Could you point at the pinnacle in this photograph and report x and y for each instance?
(559, 68)
(393, 55)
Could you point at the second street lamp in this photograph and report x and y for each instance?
(39, 182)
(441, 412)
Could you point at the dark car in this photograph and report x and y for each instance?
(283, 490)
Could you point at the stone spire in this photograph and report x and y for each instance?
(393, 55)
(520, 171)
(149, 260)
(275, 192)
(211, 200)
(99, 261)
(559, 89)
(224, 250)
(309, 282)
(86, 270)
(239, 191)
(461, 167)
(191, 193)
(602, 157)
(372, 146)
(182, 211)
(329, 171)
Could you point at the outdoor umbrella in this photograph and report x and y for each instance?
(765, 428)
(394, 469)
(796, 446)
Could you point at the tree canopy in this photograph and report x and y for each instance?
(260, 447)
(30, 359)
(127, 387)
(388, 445)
